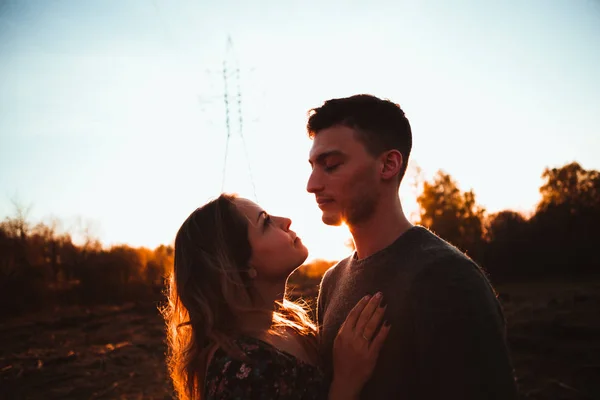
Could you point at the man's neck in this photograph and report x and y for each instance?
(381, 230)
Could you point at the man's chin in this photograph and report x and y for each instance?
(332, 220)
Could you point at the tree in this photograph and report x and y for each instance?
(158, 264)
(505, 226)
(564, 228)
(452, 214)
(47, 234)
(507, 246)
(570, 186)
(20, 272)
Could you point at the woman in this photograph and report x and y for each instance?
(231, 332)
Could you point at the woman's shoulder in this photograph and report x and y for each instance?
(261, 368)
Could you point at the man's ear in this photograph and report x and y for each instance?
(391, 164)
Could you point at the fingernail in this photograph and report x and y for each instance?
(382, 303)
(378, 295)
(367, 297)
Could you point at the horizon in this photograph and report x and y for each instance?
(114, 113)
(79, 228)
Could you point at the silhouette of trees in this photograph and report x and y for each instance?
(565, 225)
(42, 265)
(21, 283)
(571, 187)
(451, 213)
(559, 239)
(506, 246)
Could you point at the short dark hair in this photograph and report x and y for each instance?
(381, 124)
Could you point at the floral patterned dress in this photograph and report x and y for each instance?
(269, 374)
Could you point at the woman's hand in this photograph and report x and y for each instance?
(356, 348)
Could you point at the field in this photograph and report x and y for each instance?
(118, 352)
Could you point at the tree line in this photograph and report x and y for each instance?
(41, 267)
(557, 240)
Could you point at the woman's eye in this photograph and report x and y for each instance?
(268, 221)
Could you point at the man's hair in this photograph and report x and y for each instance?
(380, 124)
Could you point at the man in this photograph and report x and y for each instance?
(447, 338)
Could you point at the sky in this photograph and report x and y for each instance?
(112, 113)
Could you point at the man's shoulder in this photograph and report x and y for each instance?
(431, 243)
(435, 256)
(432, 249)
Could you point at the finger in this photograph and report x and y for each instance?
(352, 317)
(374, 322)
(366, 313)
(379, 339)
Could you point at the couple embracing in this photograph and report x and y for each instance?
(405, 316)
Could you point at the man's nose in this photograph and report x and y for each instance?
(314, 184)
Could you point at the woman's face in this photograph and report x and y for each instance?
(276, 250)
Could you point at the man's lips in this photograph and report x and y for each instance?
(324, 201)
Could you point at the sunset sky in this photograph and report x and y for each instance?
(112, 111)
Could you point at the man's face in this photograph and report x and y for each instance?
(344, 176)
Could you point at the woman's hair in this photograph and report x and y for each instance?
(209, 289)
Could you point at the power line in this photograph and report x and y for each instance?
(240, 131)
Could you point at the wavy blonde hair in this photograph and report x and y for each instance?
(209, 289)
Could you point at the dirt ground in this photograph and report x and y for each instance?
(554, 336)
(118, 352)
(74, 353)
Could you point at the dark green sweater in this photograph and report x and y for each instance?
(448, 333)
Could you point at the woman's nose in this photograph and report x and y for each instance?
(285, 223)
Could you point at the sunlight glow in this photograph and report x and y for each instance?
(125, 127)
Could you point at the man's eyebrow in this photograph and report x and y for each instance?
(261, 213)
(321, 157)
